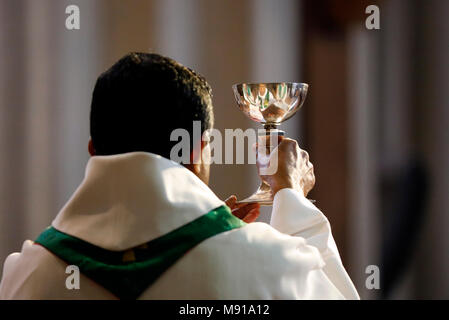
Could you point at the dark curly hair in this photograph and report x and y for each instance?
(141, 99)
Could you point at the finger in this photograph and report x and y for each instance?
(305, 155)
(252, 215)
(286, 140)
(244, 204)
(309, 167)
(287, 143)
(246, 207)
(230, 202)
(242, 209)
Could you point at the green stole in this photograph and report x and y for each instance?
(128, 273)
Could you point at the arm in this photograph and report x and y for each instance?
(294, 215)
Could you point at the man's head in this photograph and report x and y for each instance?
(141, 99)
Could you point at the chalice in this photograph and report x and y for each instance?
(269, 104)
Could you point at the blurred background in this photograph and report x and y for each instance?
(375, 121)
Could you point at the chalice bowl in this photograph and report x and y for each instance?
(269, 104)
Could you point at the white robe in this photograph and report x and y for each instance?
(129, 199)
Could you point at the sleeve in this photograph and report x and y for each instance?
(294, 215)
(10, 281)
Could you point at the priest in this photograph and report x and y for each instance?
(141, 226)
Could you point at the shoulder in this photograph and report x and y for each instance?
(30, 252)
(33, 267)
(36, 273)
(17, 267)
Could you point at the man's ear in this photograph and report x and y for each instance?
(196, 167)
(91, 148)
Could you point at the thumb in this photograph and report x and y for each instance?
(230, 202)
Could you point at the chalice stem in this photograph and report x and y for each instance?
(268, 140)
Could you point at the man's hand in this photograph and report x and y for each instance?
(294, 169)
(248, 212)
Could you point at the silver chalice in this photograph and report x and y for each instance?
(269, 104)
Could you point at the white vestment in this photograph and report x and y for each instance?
(130, 199)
